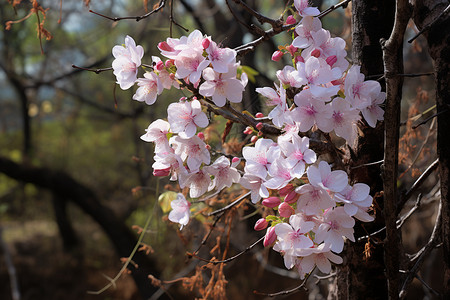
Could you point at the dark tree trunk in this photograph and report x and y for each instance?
(360, 274)
(65, 187)
(438, 39)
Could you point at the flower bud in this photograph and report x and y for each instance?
(235, 161)
(205, 43)
(259, 115)
(261, 224)
(248, 130)
(169, 63)
(271, 202)
(292, 49)
(254, 139)
(208, 147)
(315, 53)
(331, 60)
(260, 133)
(276, 56)
(291, 197)
(159, 65)
(259, 126)
(290, 20)
(299, 59)
(161, 172)
(285, 210)
(172, 76)
(163, 46)
(286, 190)
(270, 237)
(201, 135)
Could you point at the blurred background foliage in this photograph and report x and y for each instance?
(64, 119)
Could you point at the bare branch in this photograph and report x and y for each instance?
(428, 26)
(419, 257)
(161, 4)
(287, 292)
(96, 71)
(235, 202)
(417, 184)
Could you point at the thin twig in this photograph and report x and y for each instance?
(286, 292)
(96, 71)
(161, 4)
(426, 285)
(427, 27)
(368, 164)
(417, 184)
(342, 4)
(14, 283)
(238, 200)
(410, 75)
(216, 262)
(419, 257)
(428, 119)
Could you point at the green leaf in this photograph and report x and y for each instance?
(251, 73)
(164, 200)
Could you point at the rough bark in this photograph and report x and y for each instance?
(371, 21)
(65, 187)
(393, 65)
(438, 39)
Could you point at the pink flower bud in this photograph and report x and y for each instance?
(260, 134)
(201, 135)
(338, 81)
(182, 99)
(271, 202)
(292, 197)
(208, 147)
(292, 49)
(163, 46)
(205, 43)
(315, 53)
(254, 139)
(286, 190)
(270, 237)
(285, 210)
(172, 76)
(290, 20)
(276, 56)
(259, 115)
(169, 63)
(331, 60)
(159, 65)
(259, 126)
(161, 172)
(261, 224)
(235, 160)
(248, 130)
(299, 59)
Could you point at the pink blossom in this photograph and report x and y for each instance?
(304, 30)
(323, 177)
(169, 160)
(359, 93)
(190, 63)
(313, 199)
(126, 62)
(180, 210)
(310, 111)
(336, 225)
(220, 58)
(319, 256)
(221, 86)
(304, 9)
(374, 112)
(280, 173)
(255, 185)
(157, 132)
(285, 210)
(224, 174)
(298, 155)
(184, 117)
(344, 120)
(199, 182)
(192, 150)
(259, 158)
(149, 87)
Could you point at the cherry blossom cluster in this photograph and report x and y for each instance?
(325, 95)
(314, 207)
(193, 59)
